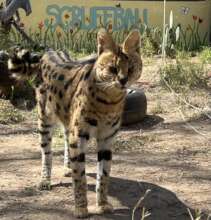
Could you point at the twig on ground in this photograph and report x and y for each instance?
(138, 205)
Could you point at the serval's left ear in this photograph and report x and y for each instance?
(132, 42)
(104, 42)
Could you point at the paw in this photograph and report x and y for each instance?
(81, 212)
(67, 172)
(104, 208)
(45, 185)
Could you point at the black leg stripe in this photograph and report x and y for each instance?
(45, 126)
(43, 145)
(73, 145)
(83, 173)
(104, 155)
(84, 135)
(105, 173)
(44, 132)
(80, 158)
(47, 153)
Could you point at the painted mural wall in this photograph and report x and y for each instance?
(118, 15)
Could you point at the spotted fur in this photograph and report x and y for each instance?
(87, 98)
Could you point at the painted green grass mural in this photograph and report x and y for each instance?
(66, 37)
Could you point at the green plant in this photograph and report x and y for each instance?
(151, 41)
(183, 75)
(205, 55)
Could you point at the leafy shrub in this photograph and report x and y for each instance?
(205, 55)
(183, 75)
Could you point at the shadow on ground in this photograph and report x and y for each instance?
(161, 203)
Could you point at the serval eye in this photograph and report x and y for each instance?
(113, 70)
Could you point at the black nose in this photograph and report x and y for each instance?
(123, 81)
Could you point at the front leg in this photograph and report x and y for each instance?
(77, 158)
(103, 173)
(45, 130)
(67, 167)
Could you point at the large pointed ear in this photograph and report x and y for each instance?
(104, 41)
(132, 42)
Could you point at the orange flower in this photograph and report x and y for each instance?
(195, 17)
(40, 25)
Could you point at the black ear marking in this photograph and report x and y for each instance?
(26, 56)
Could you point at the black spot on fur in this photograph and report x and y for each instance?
(58, 107)
(66, 109)
(44, 66)
(81, 78)
(76, 123)
(80, 158)
(67, 84)
(87, 74)
(54, 76)
(61, 77)
(55, 90)
(116, 122)
(67, 67)
(60, 94)
(91, 121)
(83, 135)
(42, 91)
(50, 98)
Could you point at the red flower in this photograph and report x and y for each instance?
(195, 17)
(41, 25)
(200, 20)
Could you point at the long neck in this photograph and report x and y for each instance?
(107, 99)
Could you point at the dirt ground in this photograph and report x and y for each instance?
(168, 153)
